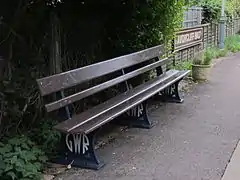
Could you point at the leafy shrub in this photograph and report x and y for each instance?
(46, 136)
(232, 43)
(183, 65)
(208, 56)
(198, 59)
(204, 58)
(20, 159)
(211, 12)
(212, 9)
(143, 24)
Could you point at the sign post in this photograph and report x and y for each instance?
(222, 26)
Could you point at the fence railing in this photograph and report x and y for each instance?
(210, 38)
(192, 17)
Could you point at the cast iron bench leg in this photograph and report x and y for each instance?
(79, 151)
(136, 117)
(171, 94)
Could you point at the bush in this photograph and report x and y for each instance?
(232, 43)
(183, 65)
(46, 137)
(209, 54)
(204, 58)
(20, 159)
(222, 53)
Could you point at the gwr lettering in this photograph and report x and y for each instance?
(136, 111)
(79, 143)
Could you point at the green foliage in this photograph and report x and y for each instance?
(198, 58)
(205, 57)
(212, 9)
(232, 43)
(233, 8)
(222, 53)
(20, 159)
(47, 137)
(183, 65)
(91, 31)
(208, 56)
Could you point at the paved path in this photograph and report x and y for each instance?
(232, 171)
(191, 141)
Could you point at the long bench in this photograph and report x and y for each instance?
(129, 107)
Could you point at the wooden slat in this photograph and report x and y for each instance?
(71, 78)
(180, 48)
(80, 95)
(115, 112)
(96, 111)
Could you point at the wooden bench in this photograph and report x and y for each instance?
(80, 129)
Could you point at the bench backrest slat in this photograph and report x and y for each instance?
(74, 77)
(85, 93)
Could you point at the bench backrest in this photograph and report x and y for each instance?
(78, 76)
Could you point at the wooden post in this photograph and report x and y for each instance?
(55, 60)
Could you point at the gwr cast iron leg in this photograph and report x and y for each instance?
(78, 150)
(137, 117)
(171, 93)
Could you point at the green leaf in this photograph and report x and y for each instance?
(1, 172)
(14, 160)
(10, 154)
(42, 158)
(14, 141)
(8, 167)
(25, 146)
(28, 156)
(2, 165)
(38, 165)
(6, 149)
(11, 174)
(20, 163)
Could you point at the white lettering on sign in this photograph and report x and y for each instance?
(186, 38)
(77, 143)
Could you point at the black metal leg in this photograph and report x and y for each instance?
(136, 117)
(171, 93)
(79, 151)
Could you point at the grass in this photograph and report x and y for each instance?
(232, 43)
(205, 57)
(183, 65)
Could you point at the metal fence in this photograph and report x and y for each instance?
(192, 17)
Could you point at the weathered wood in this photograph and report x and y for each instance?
(80, 95)
(79, 120)
(71, 78)
(115, 112)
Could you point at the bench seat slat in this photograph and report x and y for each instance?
(88, 92)
(79, 120)
(115, 112)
